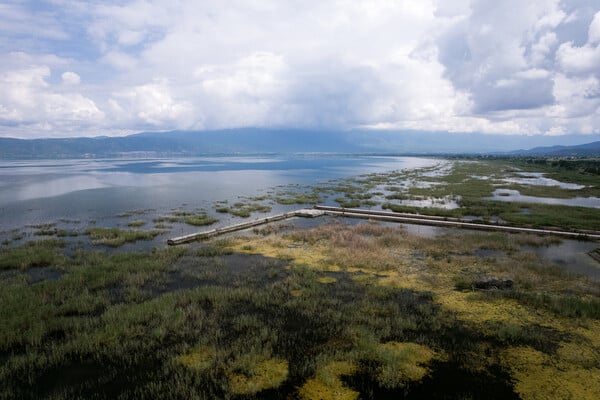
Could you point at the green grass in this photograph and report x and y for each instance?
(561, 305)
(348, 203)
(289, 198)
(201, 219)
(462, 183)
(136, 223)
(116, 237)
(67, 233)
(189, 217)
(546, 215)
(244, 210)
(212, 251)
(33, 254)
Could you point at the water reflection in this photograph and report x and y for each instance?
(43, 191)
(571, 255)
(538, 179)
(509, 195)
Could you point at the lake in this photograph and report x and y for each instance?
(41, 192)
(72, 195)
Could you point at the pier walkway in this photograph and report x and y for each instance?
(318, 211)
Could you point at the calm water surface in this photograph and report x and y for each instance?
(34, 192)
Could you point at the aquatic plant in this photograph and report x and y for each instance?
(333, 311)
(243, 210)
(114, 237)
(41, 253)
(201, 219)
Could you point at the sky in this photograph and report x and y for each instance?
(89, 68)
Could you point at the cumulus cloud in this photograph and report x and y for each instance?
(493, 51)
(29, 101)
(594, 31)
(151, 105)
(466, 65)
(582, 59)
(70, 78)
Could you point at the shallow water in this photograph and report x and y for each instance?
(538, 179)
(509, 195)
(571, 255)
(33, 192)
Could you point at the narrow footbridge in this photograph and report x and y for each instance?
(305, 212)
(318, 211)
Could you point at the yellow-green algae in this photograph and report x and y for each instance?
(200, 358)
(402, 363)
(246, 375)
(384, 256)
(540, 376)
(327, 279)
(327, 383)
(267, 374)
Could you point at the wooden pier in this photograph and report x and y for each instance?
(305, 213)
(448, 222)
(375, 215)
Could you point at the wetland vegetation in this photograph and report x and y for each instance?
(331, 311)
(334, 311)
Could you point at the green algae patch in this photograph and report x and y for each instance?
(402, 363)
(267, 374)
(199, 359)
(540, 376)
(327, 383)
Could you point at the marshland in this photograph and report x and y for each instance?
(95, 305)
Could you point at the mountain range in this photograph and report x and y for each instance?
(261, 141)
(582, 150)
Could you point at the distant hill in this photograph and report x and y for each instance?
(582, 150)
(251, 141)
(257, 141)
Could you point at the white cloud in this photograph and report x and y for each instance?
(584, 59)
(578, 60)
(18, 19)
(533, 73)
(30, 102)
(256, 76)
(594, 31)
(151, 105)
(70, 78)
(480, 65)
(542, 48)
